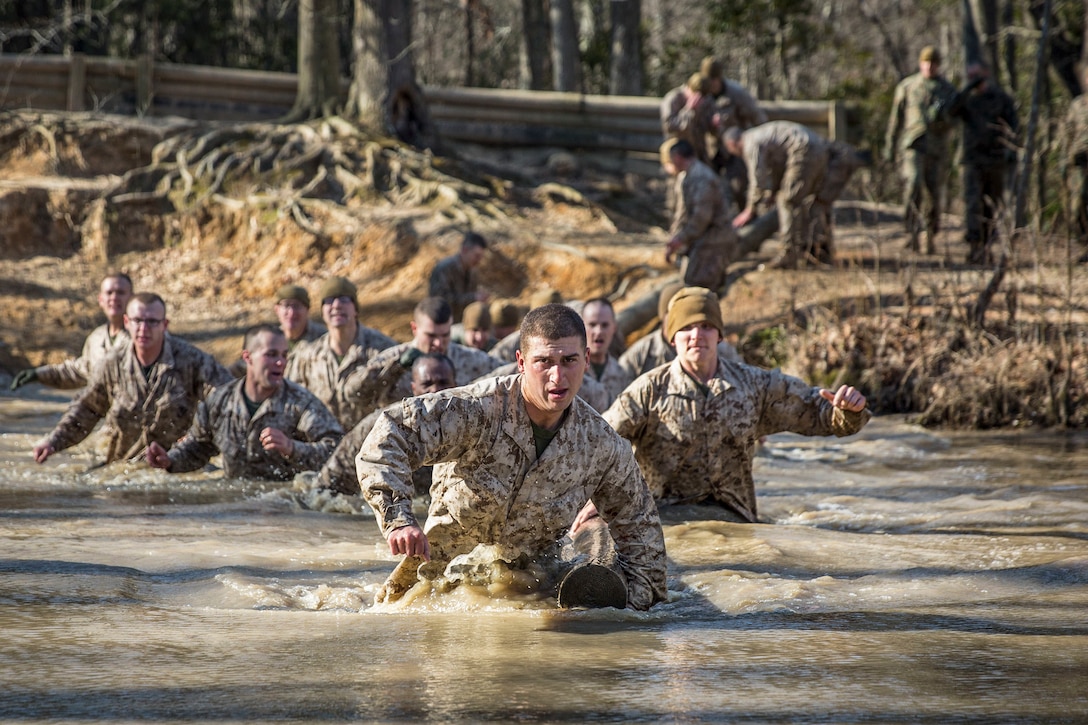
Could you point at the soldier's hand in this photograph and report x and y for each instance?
(157, 457)
(23, 377)
(846, 398)
(743, 218)
(274, 439)
(588, 513)
(672, 248)
(410, 541)
(42, 451)
(409, 356)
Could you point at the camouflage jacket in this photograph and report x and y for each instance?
(76, 372)
(223, 425)
(453, 283)
(692, 446)
(384, 381)
(919, 119)
(702, 211)
(338, 474)
(136, 410)
(317, 369)
(990, 126)
(614, 379)
(737, 107)
(1075, 132)
(652, 350)
(769, 150)
(692, 124)
(490, 487)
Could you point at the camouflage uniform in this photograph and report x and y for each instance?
(843, 161)
(384, 381)
(691, 124)
(453, 283)
(223, 425)
(1075, 149)
(490, 487)
(614, 379)
(693, 446)
(75, 373)
(918, 130)
(786, 161)
(139, 410)
(702, 222)
(338, 474)
(653, 350)
(317, 369)
(505, 348)
(592, 391)
(736, 108)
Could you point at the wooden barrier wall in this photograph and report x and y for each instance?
(469, 115)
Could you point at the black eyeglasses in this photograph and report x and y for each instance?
(145, 321)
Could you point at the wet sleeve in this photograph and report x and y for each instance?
(791, 404)
(630, 410)
(316, 436)
(83, 414)
(198, 446)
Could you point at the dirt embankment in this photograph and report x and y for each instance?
(215, 218)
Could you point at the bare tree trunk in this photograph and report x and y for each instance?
(625, 72)
(534, 21)
(470, 42)
(318, 61)
(984, 16)
(566, 60)
(1010, 47)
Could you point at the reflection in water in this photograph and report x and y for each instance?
(901, 575)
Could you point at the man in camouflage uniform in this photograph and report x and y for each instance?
(700, 228)
(687, 112)
(918, 131)
(843, 161)
(515, 459)
(386, 378)
(654, 350)
(454, 278)
(324, 365)
(113, 296)
(474, 330)
(1074, 142)
(695, 423)
(600, 321)
(147, 390)
(787, 162)
(263, 425)
(735, 108)
(293, 312)
(430, 373)
(990, 127)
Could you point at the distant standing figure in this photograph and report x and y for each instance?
(918, 131)
(990, 127)
(263, 425)
(454, 278)
(687, 112)
(735, 108)
(113, 296)
(700, 228)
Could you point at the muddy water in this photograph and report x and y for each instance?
(903, 575)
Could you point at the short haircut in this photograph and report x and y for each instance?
(603, 302)
(551, 322)
(437, 357)
(472, 239)
(250, 338)
(683, 149)
(148, 298)
(732, 134)
(121, 276)
(435, 309)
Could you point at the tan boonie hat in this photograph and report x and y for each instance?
(339, 287)
(930, 53)
(690, 306)
(293, 292)
(476, 317)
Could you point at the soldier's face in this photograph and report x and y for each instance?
(600, 328)
(552, 372)
(339, 311)
(113, 296)
(430, 376)
(929, 68)
(477, 338)
(293, 316)
(146, 325)
(429, 336)
(697, 347)
(266, 361)
(472, 256)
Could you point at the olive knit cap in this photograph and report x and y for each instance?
(293, 292)
(476, 316)
(339, 287)
(930, 53)
(690, 306)
(505, 314)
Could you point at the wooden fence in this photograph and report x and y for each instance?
(468, 115)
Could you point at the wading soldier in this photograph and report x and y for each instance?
(515, 459)
(454, 278)
(476, 327)
(293, 312)
(147, 390)
(918, 130)
(695, 423)
(600, 321)
(263, 425)
(113, 297)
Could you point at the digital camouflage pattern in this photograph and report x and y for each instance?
(317, 368)
(223, 426)
(384, 381)
(453, 283)
(702, 222)
(135, 410)
(691, 124)
(694, 447)
(338, 474)
(736, 107)
(489, 486)
(76, 372)
(614, 379)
